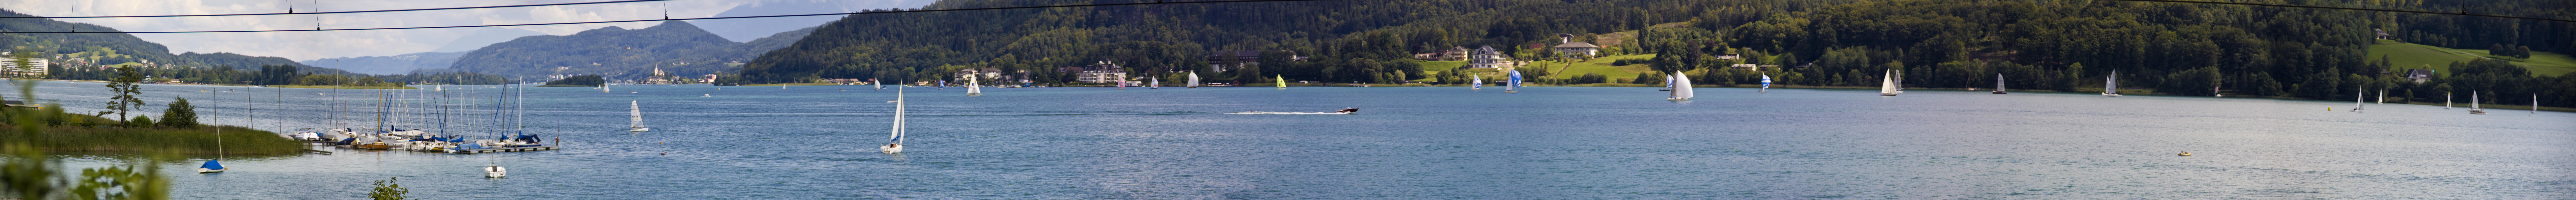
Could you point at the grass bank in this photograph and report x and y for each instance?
(2402, 56)
(786, 84)
(342, 87)
(66, 132)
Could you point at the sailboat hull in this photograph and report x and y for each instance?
(2110, 95)
(2001, 92)
(639, 129)
(204, 170)
(890, 149)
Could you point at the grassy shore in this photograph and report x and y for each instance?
(84, 133)
(793, 84)
(341, 87)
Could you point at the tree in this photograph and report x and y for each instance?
(387, 190)
(123, 86)
(180, 114)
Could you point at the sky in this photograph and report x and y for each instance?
(331, 44)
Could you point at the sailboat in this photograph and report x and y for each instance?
(495, 172)
(1668, 83)
(880, 85)
(635, 118)
(212, 166)
(1887, 84)
(973, 88)
(2535, 103)
(895, 137)
(1766, 82)
(603, 88)
(1283, 81)
(2473, 104)
(1194, 80)
(2356, 100)
(1478, 84)
(2383, 97)
(943, 84)
(1122, 84)
(2111, 84)
(1514, 84)
(2446, 100)
(1681, 88)
(1156, 84)
(1999, 84)
(439, 88)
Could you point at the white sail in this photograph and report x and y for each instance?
(2473, 101)
(1766, 80)
(2446, 100)
(635, 118)
(894, 136)
(1157, 83)
(1999, 82)
(2111, 84)
(2535, 103)
(1194, 80)
(2383, 97)
(1681, 87)
(974, 87)
(1887, 83)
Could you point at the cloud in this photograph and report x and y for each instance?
(330, 44)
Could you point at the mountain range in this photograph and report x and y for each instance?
(676, 47)
(396, 64)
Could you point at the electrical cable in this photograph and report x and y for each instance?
(647, 20)
(291, 11)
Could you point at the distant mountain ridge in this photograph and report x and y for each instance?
(617, 53)
(396, 64)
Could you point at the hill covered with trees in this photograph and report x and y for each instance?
(679, 48)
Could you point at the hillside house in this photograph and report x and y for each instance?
(1487, 57)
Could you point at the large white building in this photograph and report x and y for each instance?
(1487, 57)
(35, 67)
(1102, 72)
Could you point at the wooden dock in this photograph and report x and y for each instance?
(508, 149)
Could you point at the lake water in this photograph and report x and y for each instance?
(816, 142)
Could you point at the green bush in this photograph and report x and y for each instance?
(179, 115)
(140, 121)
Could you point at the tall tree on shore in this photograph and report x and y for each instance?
(180, 114)
(123, 85)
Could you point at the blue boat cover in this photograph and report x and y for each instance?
(469, 146)
(211, 164)
(346, 140)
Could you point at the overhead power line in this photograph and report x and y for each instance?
(363, 11)
(2462, 12)
(647, 20)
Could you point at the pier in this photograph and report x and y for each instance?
(508, 149)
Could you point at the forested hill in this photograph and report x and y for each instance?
(2068, 45)
(900, 46)
(115, 48)
(617, 53)
(396, 64)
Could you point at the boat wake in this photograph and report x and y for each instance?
(1287, 113)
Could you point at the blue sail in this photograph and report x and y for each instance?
(1516, 78)
(943, 84)
(211, 164)
(1766, 81)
